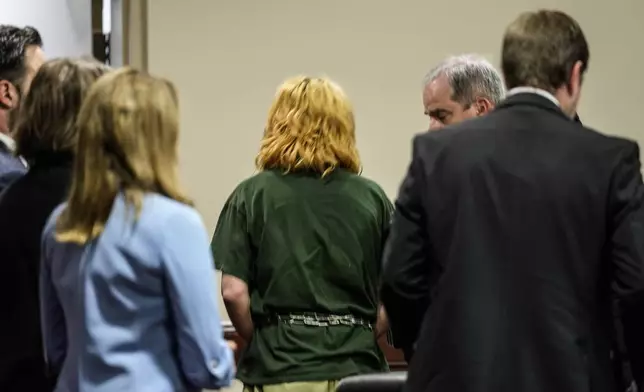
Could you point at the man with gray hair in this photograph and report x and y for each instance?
(458, 88)
(461, 87)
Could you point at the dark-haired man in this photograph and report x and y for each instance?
(523, 226)
(20, 57)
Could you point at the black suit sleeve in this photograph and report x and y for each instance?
(7, 178)
(626, 245)
(405, 281)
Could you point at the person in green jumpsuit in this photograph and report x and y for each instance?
(299, 245)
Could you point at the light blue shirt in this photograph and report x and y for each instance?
(135, 310)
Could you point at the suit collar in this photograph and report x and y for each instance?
(540, 92)
(534, 90)
(531, 99)
(8, 146)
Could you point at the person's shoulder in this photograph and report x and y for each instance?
(432, 144)
(31, 183)
(454, 131)
(257, 181)
(9, 176)
(361, 184)
(363, 181)
(611, 141)
(162, 227)
(159, 211)
(50, 226)
(623, 150)
(11, 189)
(251, 186)
(48, 234)
(604, 144)
(271, 181)
(260, 179)
(164, 221)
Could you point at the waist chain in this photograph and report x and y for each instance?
(317, 320)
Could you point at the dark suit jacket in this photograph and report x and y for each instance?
(402, 336)
(11, 167)
(24, 209)
(522, 226)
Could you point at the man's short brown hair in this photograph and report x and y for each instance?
(47, 118)
(541, 48)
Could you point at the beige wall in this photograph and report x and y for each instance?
(228, 56)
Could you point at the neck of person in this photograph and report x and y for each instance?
(5, 137)
(4, 122)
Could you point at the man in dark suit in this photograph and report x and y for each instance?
(20, 57)
(523, 226)
(458, 88)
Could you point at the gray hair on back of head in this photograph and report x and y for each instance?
(471, 76)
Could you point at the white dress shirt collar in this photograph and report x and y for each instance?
(11, 145)
(534, 90)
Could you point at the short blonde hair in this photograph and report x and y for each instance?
(128, 132)
(310, 127)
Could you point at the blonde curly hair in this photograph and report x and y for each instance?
(310, 127)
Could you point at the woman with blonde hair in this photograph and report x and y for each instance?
(45, 136)
(126, 271)
(299, 245)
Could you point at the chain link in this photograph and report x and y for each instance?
(323, 320)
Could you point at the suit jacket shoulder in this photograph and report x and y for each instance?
(617, 145)
(11, 168)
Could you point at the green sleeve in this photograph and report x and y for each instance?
(231, 245)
